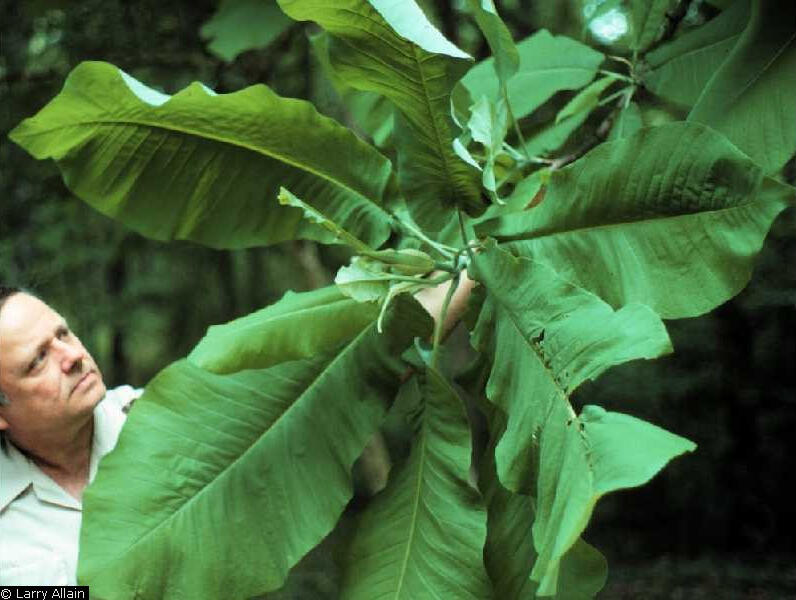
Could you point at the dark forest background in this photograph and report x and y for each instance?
(718, 523)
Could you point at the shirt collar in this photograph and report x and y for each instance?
(15, 475)
(18, 472)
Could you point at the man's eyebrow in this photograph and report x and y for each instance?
(62, 324)
(32, 356)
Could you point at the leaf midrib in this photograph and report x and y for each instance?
(412, 53)
(526, 237)
(537, 353)
(441, 148)
(745, 88)
(687, 54)
(415, 508)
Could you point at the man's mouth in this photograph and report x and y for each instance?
(85, 376)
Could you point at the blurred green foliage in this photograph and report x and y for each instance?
(139, 304)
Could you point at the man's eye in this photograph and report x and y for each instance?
(39, 358)
(63, 333)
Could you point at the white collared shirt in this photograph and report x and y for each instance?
(39, 520)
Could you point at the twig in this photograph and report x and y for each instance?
(517, 129)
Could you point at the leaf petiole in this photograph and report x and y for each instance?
(464, 238)
(440, 322)
(615, 95)
(616, 75)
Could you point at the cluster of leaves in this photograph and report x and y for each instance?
(237, 460)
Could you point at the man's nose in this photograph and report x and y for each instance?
(71, 356)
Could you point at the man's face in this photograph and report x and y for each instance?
(49, 378)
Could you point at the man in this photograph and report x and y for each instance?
(56, 422)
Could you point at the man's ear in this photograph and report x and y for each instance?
(3, 423)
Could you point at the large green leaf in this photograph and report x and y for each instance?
(559, 335)
(391, 48)
(546, 337)
(325, 318)
(672, 217)
(221, 483)
(509, 553)
(750, 99)
(423, 536)
(206, 167)
(680, 69)
(240, 25)
(548, 64)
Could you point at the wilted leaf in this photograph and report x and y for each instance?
(487, 125)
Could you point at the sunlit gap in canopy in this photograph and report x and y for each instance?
(607, 26)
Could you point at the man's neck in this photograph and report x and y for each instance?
(65, 457)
